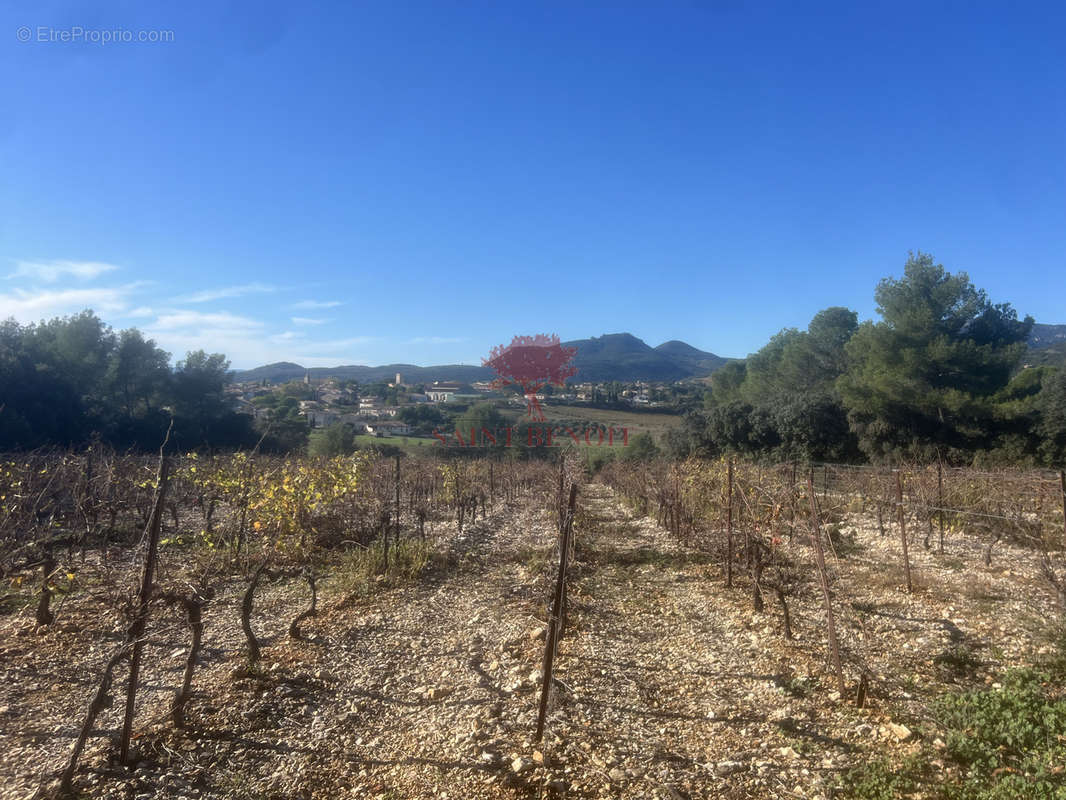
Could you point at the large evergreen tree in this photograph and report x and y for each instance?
(924, 379)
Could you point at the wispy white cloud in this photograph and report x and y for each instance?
(241, 338)
(249, 342)
(208, 295)
(246, 350)
(200, 321)
(52, 271)
(32, 305)
(245, 339)
(438, 340)
(288, 336)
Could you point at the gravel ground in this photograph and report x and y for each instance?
(669, 685)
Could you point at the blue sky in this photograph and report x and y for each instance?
(412, 181)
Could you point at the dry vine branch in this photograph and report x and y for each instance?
(101, 700)
(294, 628)
(193, 605)
(254, 652)
(44, 615)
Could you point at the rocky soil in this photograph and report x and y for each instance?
(669, 686)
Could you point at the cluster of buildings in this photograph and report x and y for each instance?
(638, 393)
(332, 401)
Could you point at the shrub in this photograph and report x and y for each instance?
(880, 780)
(365, 567)
(1008, 742)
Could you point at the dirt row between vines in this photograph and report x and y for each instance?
(357, 663)
(669, 686)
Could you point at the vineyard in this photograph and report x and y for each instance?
(245, 625)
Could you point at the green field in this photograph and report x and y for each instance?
(636, 422)
(414, 443)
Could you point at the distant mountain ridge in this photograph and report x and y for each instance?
(611, 357)
(624, 357)
(697, 360)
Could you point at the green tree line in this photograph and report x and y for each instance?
(942, 374)
(68, 381)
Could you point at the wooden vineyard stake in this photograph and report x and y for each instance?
(903, 529)
(940, 501)
(729, 526)
(136, 634)
(1062, 488)
(819, 557)
(397, 537)
(555, 628)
